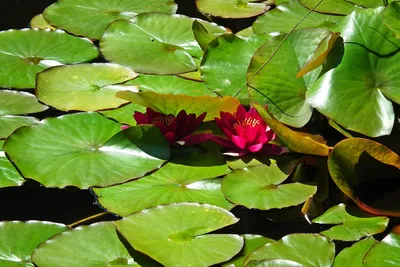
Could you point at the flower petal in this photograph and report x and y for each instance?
(222, 141)
(256, 147)
(141, 118)
(239, 141)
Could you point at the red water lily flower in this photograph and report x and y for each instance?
(176, 129)
(245, 132)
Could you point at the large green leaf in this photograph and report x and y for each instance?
(14, 102)
(9, 123)
(19, 239)
(283, 18)
(309, 250)
(9, 176)
(93, 245)
(167, 39)
(24, 53)
(355, 163)
(231, 8)
(91, 17)
(357, 93)
(338, 7)
(350, 228)
(39, 22)
(85, 87)
(391, 17)
(188, 180)
(89, 144)
(385, 253)
(174, 234)
(260, 187)
(176, 103)
(354, 255)
(124, 114)
(281, 90)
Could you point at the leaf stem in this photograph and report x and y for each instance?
(74, 224)
(280, 44)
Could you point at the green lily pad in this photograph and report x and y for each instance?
(19, 239)
(167, 38)
(337, 7)
(385, 253)
(9, 123)
(203, 37)
(281, 90)
(124, 114)
(273, 263)
(231, 8)
(309, 250)
(89, 144)
(354, 255)
(188, 180)
(251, 243)
(90, 18)
(93, 245)
(15, 102)
(175, 234)
(355, 163)
(283, 18)
(85, 87)
(9, 176)
(246, 33)
(176, 103)
(170, 84)
(350, 228)
(24, 53)
(223, 73)
(260, 187)
(39, 22)
(391, 17)
(357, 93)
(192, 75)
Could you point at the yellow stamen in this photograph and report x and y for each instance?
(164, 119)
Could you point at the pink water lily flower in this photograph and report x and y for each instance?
(245, 131)
(176, 129)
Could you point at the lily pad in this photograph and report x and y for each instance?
(337, 7)
(85, 87)
(175, 234)
(260, 187)
(188, 180)
(9, 176)
(231, 8)
(391, 17)
(273, 263)
(167, 38)
(15, 102)
(89, 144)
(350, 228)
(385, 253)
(285, 16)
(24, 53)
(354, 255)
(308, 250)
(197, 105)
(357, 93)
(90, 18)
(9, 123)
(281, 90)
(93, 245)
(19, 239)
(124, 114)
(39, 22)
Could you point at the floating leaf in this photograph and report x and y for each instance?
(283, 18)
(24, 53)
(246, 33)
(308, 250)
(91, 17)
(203, 37)
(273, 263)
(357, 93)
(131, 43)
(85, 87)
(39, 22)
(9, 123)
(354, 255)
(281, 90)
(350, 228)
(188, 180)
(294, 141)
(385, 253)
(176, 103)
(391, 17)
(89, 144)
(337, 7)
(9, 176)
(15, 102)
(192, 75)
(124, 114)
(231, 8)
(174, 234)
(355, 163)
(93, 245)
(19, 239)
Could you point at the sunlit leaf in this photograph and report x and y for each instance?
(385, 253)
(176, 234)
(338, 7)
(231, 8)
(391, 17)
(15, 102)
(9, 123)
(124, 114)
(39, 22)
(9, 176)
(354, 255)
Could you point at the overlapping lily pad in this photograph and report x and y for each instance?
(176, 234)
(391, 17)
(384, 253)
(89, 144)
(85, 87)
(337, 7)
(93, 245)
(15, 102)
(90, 18)
(231, 8)
(39, 22)
(167, 39)
(350, 228)
(19, 239)
(357, 93)
(24, 53)
(354, 255)
(9, 123)
(124, 114)
(9, 176)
